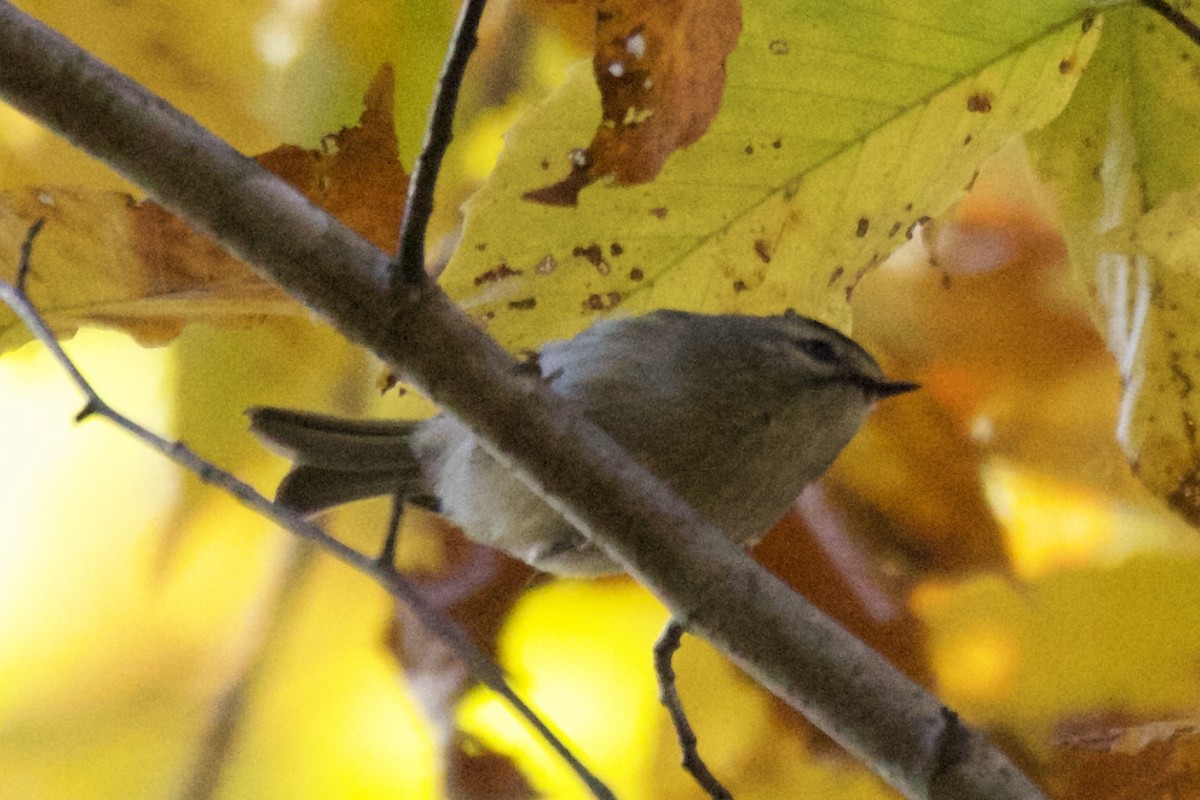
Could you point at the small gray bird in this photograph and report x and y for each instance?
(738, 413)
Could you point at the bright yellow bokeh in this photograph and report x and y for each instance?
(580, 652)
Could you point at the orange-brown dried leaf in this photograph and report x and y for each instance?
(356, 175)
(105, 260)
(1158, 761)
(660, 67)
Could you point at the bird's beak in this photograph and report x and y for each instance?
(878, 390)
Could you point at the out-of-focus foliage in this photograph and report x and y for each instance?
(1123, 160)
(986, 533)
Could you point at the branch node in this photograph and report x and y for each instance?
(90, 408)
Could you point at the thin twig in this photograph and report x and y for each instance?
(438, 621)
(407, 267)
(664, 651)
(1176, 17)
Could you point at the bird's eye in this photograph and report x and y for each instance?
(818, 350)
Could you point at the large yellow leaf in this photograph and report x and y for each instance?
(1124, 161)
(841, 127)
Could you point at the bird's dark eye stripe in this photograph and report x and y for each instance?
(818, 349)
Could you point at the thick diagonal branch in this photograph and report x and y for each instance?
(708, 583)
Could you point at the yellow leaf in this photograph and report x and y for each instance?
(840, 129)
(1123, 160)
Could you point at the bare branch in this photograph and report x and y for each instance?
(399, 587)
(408, 265)
(707, 582)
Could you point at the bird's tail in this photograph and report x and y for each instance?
(338, 460)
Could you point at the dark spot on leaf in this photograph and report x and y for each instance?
(971, 183)
(837, 273)
(979, 103)
(762, 250)
(481, 246)
(488, 316)
(946, 281)
(1088, 19)
(894, 229)
(592, 253)
(908, 207)
(545, 163)
(778, 143)
(908, 234)
(740, 286)
(780, 47)
(636, 274)
(849, 292)
(616, 249)
(968, 139)
(660, 212)
(602, 302)
(749, 150)
(864, 225)
(496, 273)
(523, 304)
(1064, 66)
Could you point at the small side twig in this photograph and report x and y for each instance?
(1177, 18)
(387, 554)
(664, 651)
(407, 267)
(398, 586)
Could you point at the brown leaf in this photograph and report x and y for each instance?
(661, 71)
(105, 260)
(1159, 760)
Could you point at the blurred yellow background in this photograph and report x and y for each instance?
(133, 599)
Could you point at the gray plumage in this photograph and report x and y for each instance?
(738, 413)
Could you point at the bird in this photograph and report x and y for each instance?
(737, 412)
